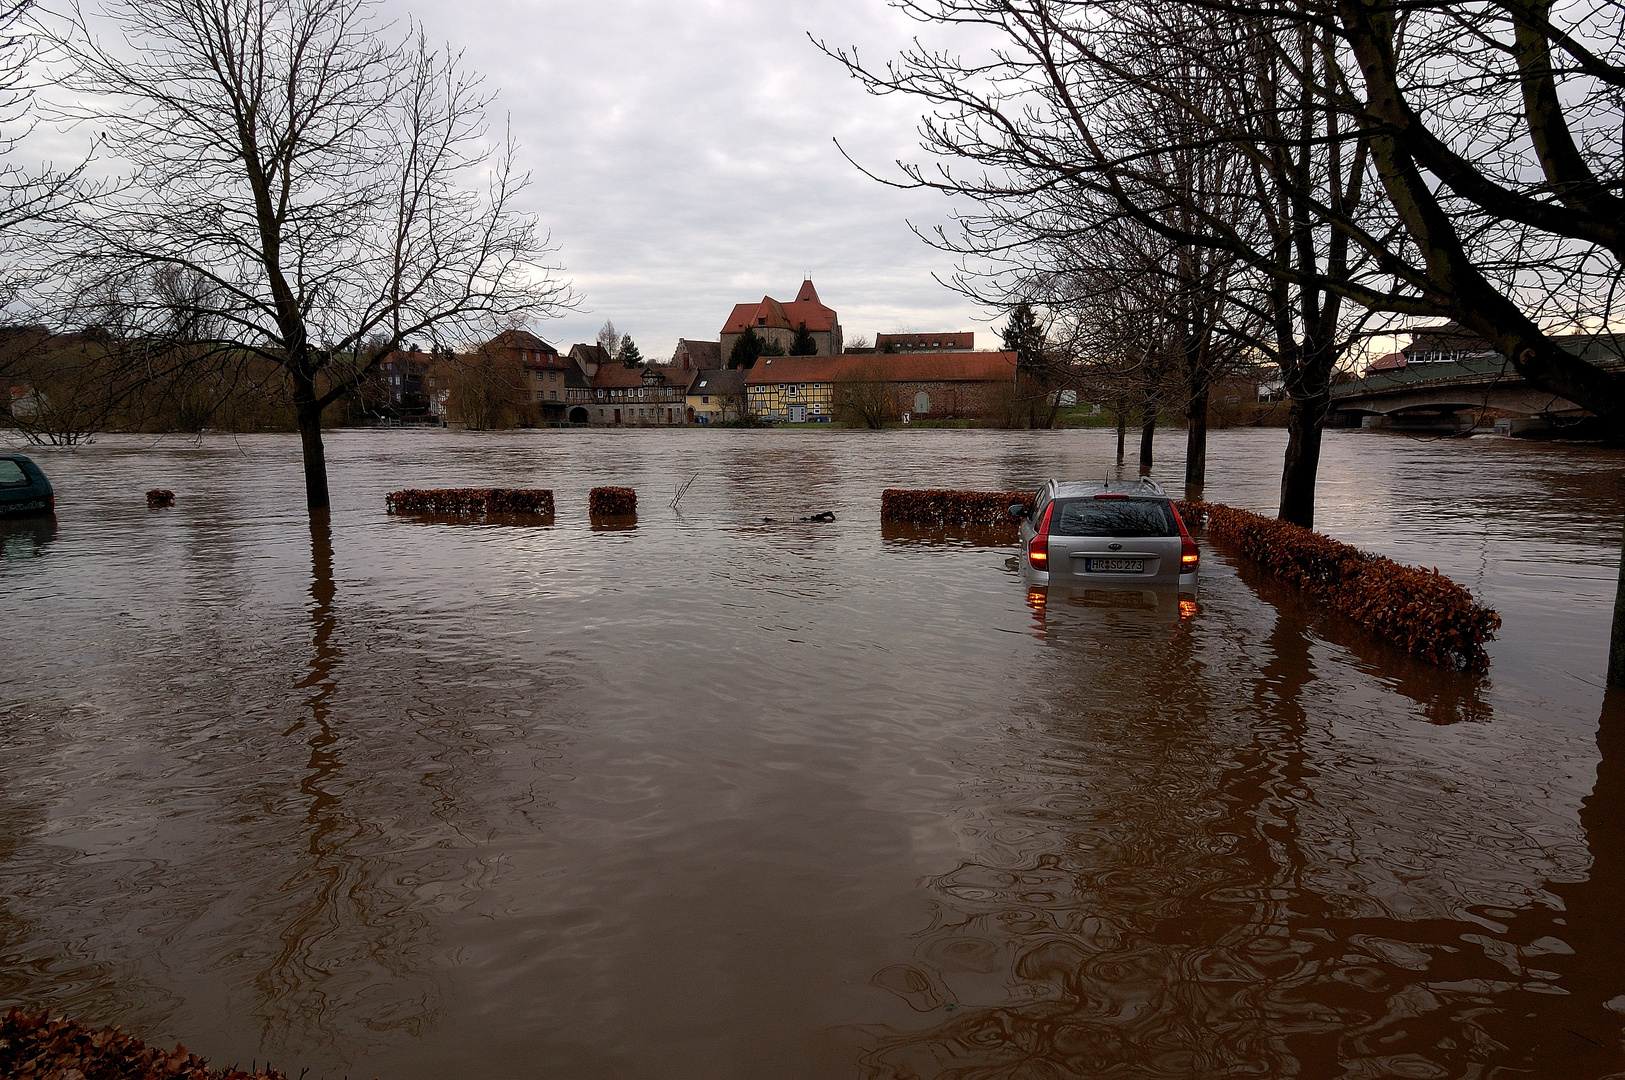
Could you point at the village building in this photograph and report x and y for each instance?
(960, 341)
(697, 355)
(589, 358)
(716, 396)
(778, 322)
(801, 389)
(398, 390)
(652, 395)
(547, 378)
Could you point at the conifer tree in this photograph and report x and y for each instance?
(803, 345)
(1023, 336)
(629, 353)
(746, 351)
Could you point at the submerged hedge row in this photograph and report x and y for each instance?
(612, 501)
(471, 501)
(37, 1046)
(1421, 611)
(944, 506)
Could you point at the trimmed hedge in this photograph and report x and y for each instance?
(944, 506)
(160, 497)
(39, 1047)
(612, 502)
(1421, 611)
(471, 501)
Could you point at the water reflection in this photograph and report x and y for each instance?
(1108, 618)
(1445, 695)
(347, 935)
(1183, 878)
(908, 535)
(26, 537)
(512, 520)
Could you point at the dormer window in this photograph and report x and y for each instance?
(761, 322)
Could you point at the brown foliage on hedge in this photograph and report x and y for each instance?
(1421, 611)
(160, 497)
(471, 501)
(612, 502)
(944, 506)
(38, 1047)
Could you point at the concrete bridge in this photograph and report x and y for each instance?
(1455, 395)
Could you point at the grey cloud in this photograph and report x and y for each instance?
(682, 159)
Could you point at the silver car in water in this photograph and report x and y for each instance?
(1089, 535)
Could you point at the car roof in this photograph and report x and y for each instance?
(1074, 489)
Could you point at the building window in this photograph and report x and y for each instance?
(552, 376)
(790, 391)
(554, 394)
(705, 401)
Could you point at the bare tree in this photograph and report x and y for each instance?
(31, 197)
(609, 339)
(863, 394)
(303, 167)
(1495, 130)
(1070, 121)
(485, 390)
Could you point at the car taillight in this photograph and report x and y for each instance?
(1038, 546)
(1189, 555)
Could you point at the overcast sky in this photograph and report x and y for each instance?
(683, 160)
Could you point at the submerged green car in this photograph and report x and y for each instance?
(24, 490)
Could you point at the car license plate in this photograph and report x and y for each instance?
(1114, 566)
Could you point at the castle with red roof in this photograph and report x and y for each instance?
(772, 320)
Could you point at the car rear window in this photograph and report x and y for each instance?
(11, 473)
(1113, 517)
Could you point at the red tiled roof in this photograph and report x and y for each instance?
(590, 353)
(819, 319)
(958, 340)
(1392, 362)
(897, 367)
(701, 354)
(805, 308)
(520, 339)
(617, 376)
(620, 377)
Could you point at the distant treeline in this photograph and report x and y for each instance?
(64, 388)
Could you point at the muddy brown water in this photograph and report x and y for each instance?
(712, 796)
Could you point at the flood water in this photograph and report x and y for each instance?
(723, 797)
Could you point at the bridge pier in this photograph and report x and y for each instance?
(1513, 426)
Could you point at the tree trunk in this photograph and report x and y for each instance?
(1122, 428)
(309, 412)
(1196, 444)
(1616, 645)
(1302, 464)
(1148, 431)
